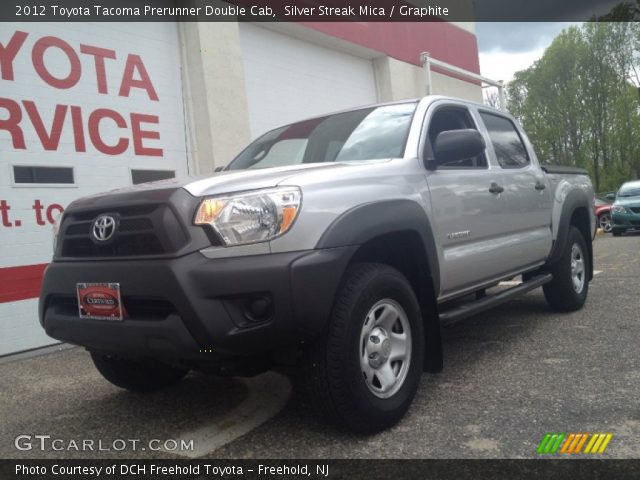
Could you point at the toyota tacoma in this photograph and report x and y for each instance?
(341, 244)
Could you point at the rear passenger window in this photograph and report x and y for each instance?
(510, 150)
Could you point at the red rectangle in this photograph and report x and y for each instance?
(100, 301)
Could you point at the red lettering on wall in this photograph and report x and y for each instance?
(8, 53)
(138, 134)
(12, 124)
(37, 57)
(78, 129)
(94, 131)
(37, 206)
(49, 140)
(54, 207)
(4, 213)
(99, 54)
(134, 62)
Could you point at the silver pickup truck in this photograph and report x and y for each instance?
(341, 244)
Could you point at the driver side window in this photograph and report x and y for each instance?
(454, 118)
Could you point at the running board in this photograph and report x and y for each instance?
(484, 303)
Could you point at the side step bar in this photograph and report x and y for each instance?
(484, 303)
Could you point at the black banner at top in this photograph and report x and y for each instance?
(318, 10)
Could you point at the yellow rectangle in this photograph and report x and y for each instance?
(598, 442)
(591, 442)
(606, 441)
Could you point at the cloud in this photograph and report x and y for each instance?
(540, 10)
(516, 37)
(502, 65)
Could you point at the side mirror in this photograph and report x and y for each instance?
(219, 169)
(611, 196)
(453, 145)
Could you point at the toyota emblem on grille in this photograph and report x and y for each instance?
(104, 227)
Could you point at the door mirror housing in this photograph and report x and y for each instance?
(454, 145)
(611, 196)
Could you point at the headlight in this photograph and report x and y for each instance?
(252, 217)
(618, 209)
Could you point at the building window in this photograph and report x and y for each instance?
(49, 175)
(143, 176)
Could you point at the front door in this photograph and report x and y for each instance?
(467, 209)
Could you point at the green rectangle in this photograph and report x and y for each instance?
(558, 443)
(543, 443)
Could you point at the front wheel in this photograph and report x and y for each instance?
(137, 375)
(604, 222)
(364, 372)
(568, 289)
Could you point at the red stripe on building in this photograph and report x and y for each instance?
(405, 41)
(20, 283)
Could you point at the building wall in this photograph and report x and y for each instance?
(219, 84)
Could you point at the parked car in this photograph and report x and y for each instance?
(625, 211)
(329, 242)
(602, 210)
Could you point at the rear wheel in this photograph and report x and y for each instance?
(568, 289)
(364, 372)
(604, 222)
(137, 375)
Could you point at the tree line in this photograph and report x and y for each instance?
(580, 103)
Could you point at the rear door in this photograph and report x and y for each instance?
(526, 197)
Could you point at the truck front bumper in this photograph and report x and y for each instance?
(191, 306)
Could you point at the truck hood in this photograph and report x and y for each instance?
(240, 180)
(220, 182)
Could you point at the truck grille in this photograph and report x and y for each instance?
(635, 209)
(143, 230)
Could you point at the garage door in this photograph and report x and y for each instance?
(84, 108)
(289, 79)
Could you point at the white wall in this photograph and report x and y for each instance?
(399, 80)
(288, 79)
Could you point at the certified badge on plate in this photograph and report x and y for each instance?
(100, 301)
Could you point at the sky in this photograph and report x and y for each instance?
(507, 47)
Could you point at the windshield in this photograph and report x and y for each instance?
(629, 191)
(366, 134)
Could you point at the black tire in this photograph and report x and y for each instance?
(560, 293)
(616, 232)
(606, 228)
(137, 375)
(335, 380)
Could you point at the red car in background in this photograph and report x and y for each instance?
(603, 214)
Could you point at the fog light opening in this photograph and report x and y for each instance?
(258, 309)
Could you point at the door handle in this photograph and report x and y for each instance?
(495, 188)
(540, 186)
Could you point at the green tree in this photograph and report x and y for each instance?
(579, 102)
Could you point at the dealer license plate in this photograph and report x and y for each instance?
(100, 301)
